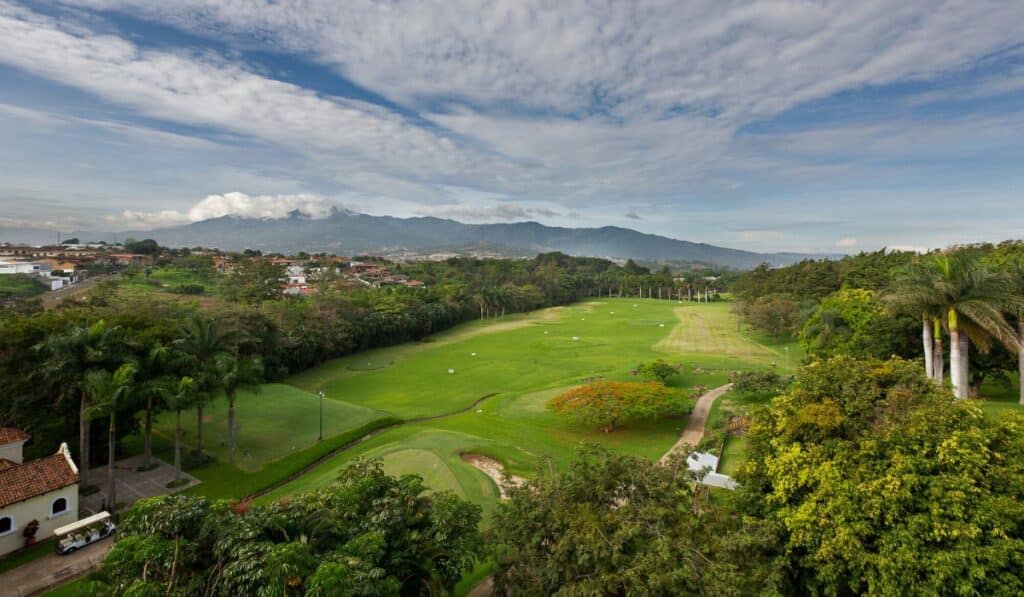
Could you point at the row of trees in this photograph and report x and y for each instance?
(113, 371)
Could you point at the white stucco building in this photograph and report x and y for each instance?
(43, 491)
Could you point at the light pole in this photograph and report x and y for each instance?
(321, 395)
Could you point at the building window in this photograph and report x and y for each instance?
(58, 507)
(6, 525)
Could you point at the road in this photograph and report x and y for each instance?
(52, 570)
(694, 431)
(53, 298)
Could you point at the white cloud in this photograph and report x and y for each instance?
(230, 204)
(846, 243)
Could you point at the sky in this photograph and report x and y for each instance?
(816, 126)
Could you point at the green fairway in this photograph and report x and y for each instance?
(505, 372)
(278, 420)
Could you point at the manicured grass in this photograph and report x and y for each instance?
(72, 589)
(519, 365)
(270, 424)
(733, 455)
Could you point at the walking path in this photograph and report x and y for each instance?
(132, 484)
(52, 570)
(695, 425)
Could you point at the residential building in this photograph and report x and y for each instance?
(42, 493)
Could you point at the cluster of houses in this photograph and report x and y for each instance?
(59, 266)
(300, 276)
(376, 275)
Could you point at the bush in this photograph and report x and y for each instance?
(189, 289)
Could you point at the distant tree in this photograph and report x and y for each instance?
(367, 534)
(142, 247)
(617, 525)
(608, 403)
(855, 321)
(70, 241)
(880, 483)
(777, 314)
(254, 281)
(659, 370)
(204, 340)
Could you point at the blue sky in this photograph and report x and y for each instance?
(784, 125)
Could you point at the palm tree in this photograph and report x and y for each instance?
(153, 369)
(178, 396)
(109, 392)
(204, 340)
(235, 373)
(69, 357)
(916, 294)
(972, 301)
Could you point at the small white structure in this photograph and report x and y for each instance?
(42, 493)
(451, 371)
(575, 337)
(706, 463)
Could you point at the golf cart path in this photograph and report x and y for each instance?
(51, 570)
(695, 425)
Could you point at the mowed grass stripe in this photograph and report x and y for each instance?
(710, 329)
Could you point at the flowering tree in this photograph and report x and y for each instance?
(607, 403)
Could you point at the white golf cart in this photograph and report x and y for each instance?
(74, 536)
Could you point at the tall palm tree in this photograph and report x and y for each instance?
(178, 396)
(153, 368)
(916, 294)
(108, 393)
(236, 373)
(972, 301)
(204, 339)
(69, 357)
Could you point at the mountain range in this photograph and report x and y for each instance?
(349, 233)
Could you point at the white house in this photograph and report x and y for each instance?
(43, 491)
(25, 267)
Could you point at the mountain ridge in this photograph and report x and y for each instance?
(351, 233)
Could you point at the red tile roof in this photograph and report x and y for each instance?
(24, 481)
(9, 435)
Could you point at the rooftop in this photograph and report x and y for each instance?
(10, 435)
(25, 481)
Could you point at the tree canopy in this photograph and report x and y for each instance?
(367, 534)
(879, 483)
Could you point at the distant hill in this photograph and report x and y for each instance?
(350, 233)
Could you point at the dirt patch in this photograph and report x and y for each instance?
(493, 469)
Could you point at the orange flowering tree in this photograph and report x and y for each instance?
(607, 403)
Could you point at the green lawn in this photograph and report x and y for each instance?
(270, 424)
(514, 367)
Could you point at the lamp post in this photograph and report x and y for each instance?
(320, 394)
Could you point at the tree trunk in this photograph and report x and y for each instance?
(954, 359)
(177, 447)
(939, 368)
(111, 440)
(199, 428)
(83, 442)
(926, 338)
(1020, 358)
(965, 385)
(231, 426)
(147, 457)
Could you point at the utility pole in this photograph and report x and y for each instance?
(320, 438)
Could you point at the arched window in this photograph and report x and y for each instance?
(6, 525)
(59, 506)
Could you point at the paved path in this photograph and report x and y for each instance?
(52, 570)
(695, 425)
(132, 485)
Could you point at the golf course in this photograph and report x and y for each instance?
(482, 388)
